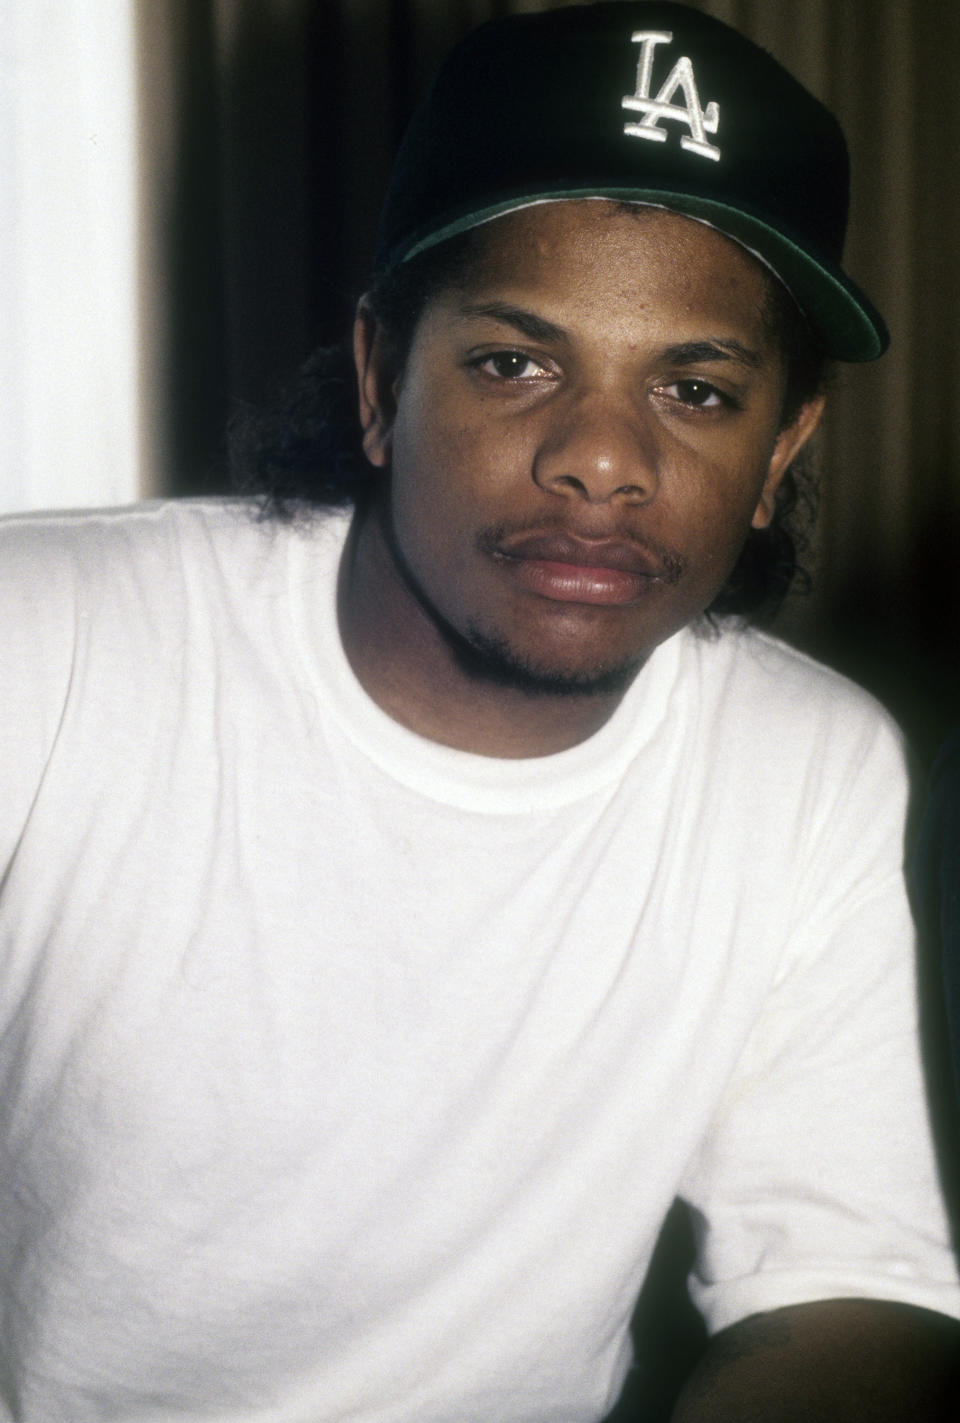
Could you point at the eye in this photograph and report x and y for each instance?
(699, 394)
(511, 365)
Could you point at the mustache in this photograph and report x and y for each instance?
(562, 543)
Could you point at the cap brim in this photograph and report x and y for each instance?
(847, 323)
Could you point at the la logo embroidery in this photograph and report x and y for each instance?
(700, 121)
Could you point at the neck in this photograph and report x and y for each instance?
(411, 666)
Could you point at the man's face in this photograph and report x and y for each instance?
(582, 435)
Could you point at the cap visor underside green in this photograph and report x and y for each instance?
(848, 325)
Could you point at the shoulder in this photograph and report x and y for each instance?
(773, 690)
(117, 584)
(106, 615)
(33, 544)
(105, 583)
(791, 730)
(147, 558)
(760, 662)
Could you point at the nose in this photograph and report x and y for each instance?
(598, 448)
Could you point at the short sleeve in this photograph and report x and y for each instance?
(817, 1178)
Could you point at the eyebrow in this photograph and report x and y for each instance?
(684, 353)
(692, 353)
(537, 328)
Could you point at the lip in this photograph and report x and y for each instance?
(568, 569)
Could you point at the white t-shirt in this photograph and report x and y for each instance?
(346, 1076)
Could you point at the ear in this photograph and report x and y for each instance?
(790, 442)
(376, 385)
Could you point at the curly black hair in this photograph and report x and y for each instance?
(301, 452)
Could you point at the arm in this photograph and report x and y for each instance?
(835, 1361)
(817, 1179)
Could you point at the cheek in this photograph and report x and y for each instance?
(432, 504)
(722, 495)
(457, 464)
(718, 505)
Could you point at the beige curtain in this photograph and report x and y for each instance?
(266, 133)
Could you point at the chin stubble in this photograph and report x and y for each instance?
(493, 661)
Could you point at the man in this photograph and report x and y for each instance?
(401, 908)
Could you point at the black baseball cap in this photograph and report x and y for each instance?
(645, 102)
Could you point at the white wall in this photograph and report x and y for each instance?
(68, 264)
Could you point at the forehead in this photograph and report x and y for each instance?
(595, 256)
